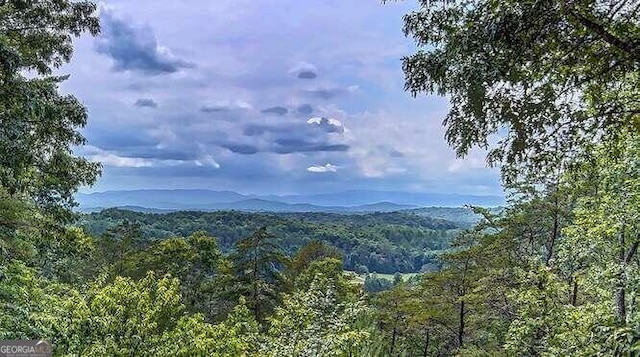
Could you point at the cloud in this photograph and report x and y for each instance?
(307, 75)
(146, 103)
(288, 146)
(313, 135)
(327, 93)
(305, 109)
(241, 149)
(329, 125)
(304, 70)
(135, 48)
(226, 106)
(322, 168)
(255, 130)
(236, 145)
(207, 161)
(276, 110)
(108, 158)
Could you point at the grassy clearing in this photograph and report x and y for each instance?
(361, 277)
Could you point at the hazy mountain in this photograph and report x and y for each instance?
(365, 197)
(380, 207)
(348, 201)
(164, 199)
(258, 205)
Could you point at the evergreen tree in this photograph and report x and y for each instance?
(259, 263)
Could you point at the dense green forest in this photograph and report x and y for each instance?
(551, 88)
(377, 242)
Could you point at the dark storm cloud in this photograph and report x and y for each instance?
(288, 146)
(304, 70)
(307, 75)
(134, 48)
(213, 109)
(313, 128)
(254, 130)
(148, 152)
(329, 92)
(258, 129)
(114, 137)
(320, 136)
(146, 103)
(241, 149)
(277, 110)
(305, 109)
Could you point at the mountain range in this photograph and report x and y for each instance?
(209, 200)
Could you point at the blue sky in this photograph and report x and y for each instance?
(262, 96)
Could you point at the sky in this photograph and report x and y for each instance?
(262, 97)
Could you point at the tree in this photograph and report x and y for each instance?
(327, 273)
(17, 219)
(143, 317)
(604, 239)
(196, 261)
(315, 322)
(21, 300)
(39, 126)
(313, 251)
(118, 242)
(258, 263)
(547, 78)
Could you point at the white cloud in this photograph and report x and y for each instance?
(323, 169)
(304, 70)
(109, 159)
(319, 121)
(226, 105)
(329, 125)
(207, 160)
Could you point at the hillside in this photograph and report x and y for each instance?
(381, 242)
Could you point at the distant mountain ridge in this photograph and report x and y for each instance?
(259, 205)
(208, 200)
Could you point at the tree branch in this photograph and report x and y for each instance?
(607, 36)
(631, 252)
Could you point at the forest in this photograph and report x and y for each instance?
(550, 88)
(376, 242)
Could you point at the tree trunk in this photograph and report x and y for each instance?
(554, 234)
(621, 311)
(574, 293)
(426, 343)
(393, 336)
(461, 325)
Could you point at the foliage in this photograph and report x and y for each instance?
(315, 322)
(39, 125)
(547, 78)
(259, 265)
(382, 242)
(196, 261)
(556, 273)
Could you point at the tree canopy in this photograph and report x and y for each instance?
(39, 125)
(536, 82)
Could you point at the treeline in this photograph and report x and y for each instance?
(377, 242)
